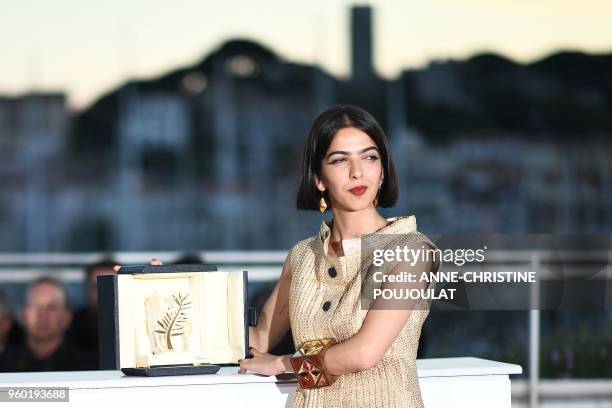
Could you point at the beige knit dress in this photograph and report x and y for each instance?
(326, 301)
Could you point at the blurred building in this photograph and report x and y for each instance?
(205, 151)
(33, 136)
(207, 156)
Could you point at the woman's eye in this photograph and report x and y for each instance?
(336, 161)
(372, 158)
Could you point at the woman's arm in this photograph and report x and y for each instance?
(273, 322)
(380, 327)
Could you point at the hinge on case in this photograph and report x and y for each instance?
(252, 316)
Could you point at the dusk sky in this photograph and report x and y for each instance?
(86, 48)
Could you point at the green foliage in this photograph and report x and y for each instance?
(581, 354)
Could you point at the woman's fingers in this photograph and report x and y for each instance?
(261, 363)
(244, 364)
(155, 261)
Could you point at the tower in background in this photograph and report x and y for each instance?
(364, 88)
(361, 43)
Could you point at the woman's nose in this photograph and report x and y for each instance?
(355, 169)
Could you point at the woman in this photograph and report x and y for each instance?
(347, 167)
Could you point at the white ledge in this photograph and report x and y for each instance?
(461, 366)
(116, 379)
(434, 367)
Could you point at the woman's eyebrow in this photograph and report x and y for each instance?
(347, 153)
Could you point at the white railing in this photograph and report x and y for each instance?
(68, 267)
(563, 393)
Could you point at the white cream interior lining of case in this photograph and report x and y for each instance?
(181, 318)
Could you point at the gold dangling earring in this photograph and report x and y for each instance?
(322, 204)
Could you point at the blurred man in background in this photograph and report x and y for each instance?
(10, 332)
(6, 321)
(84, 330)
(46, 318)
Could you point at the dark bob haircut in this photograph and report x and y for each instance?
(320, 137)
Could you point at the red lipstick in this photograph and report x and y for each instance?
(359, 190)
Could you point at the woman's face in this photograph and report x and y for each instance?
(351, 170)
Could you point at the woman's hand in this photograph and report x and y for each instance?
(262, 363)
(153, 261)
